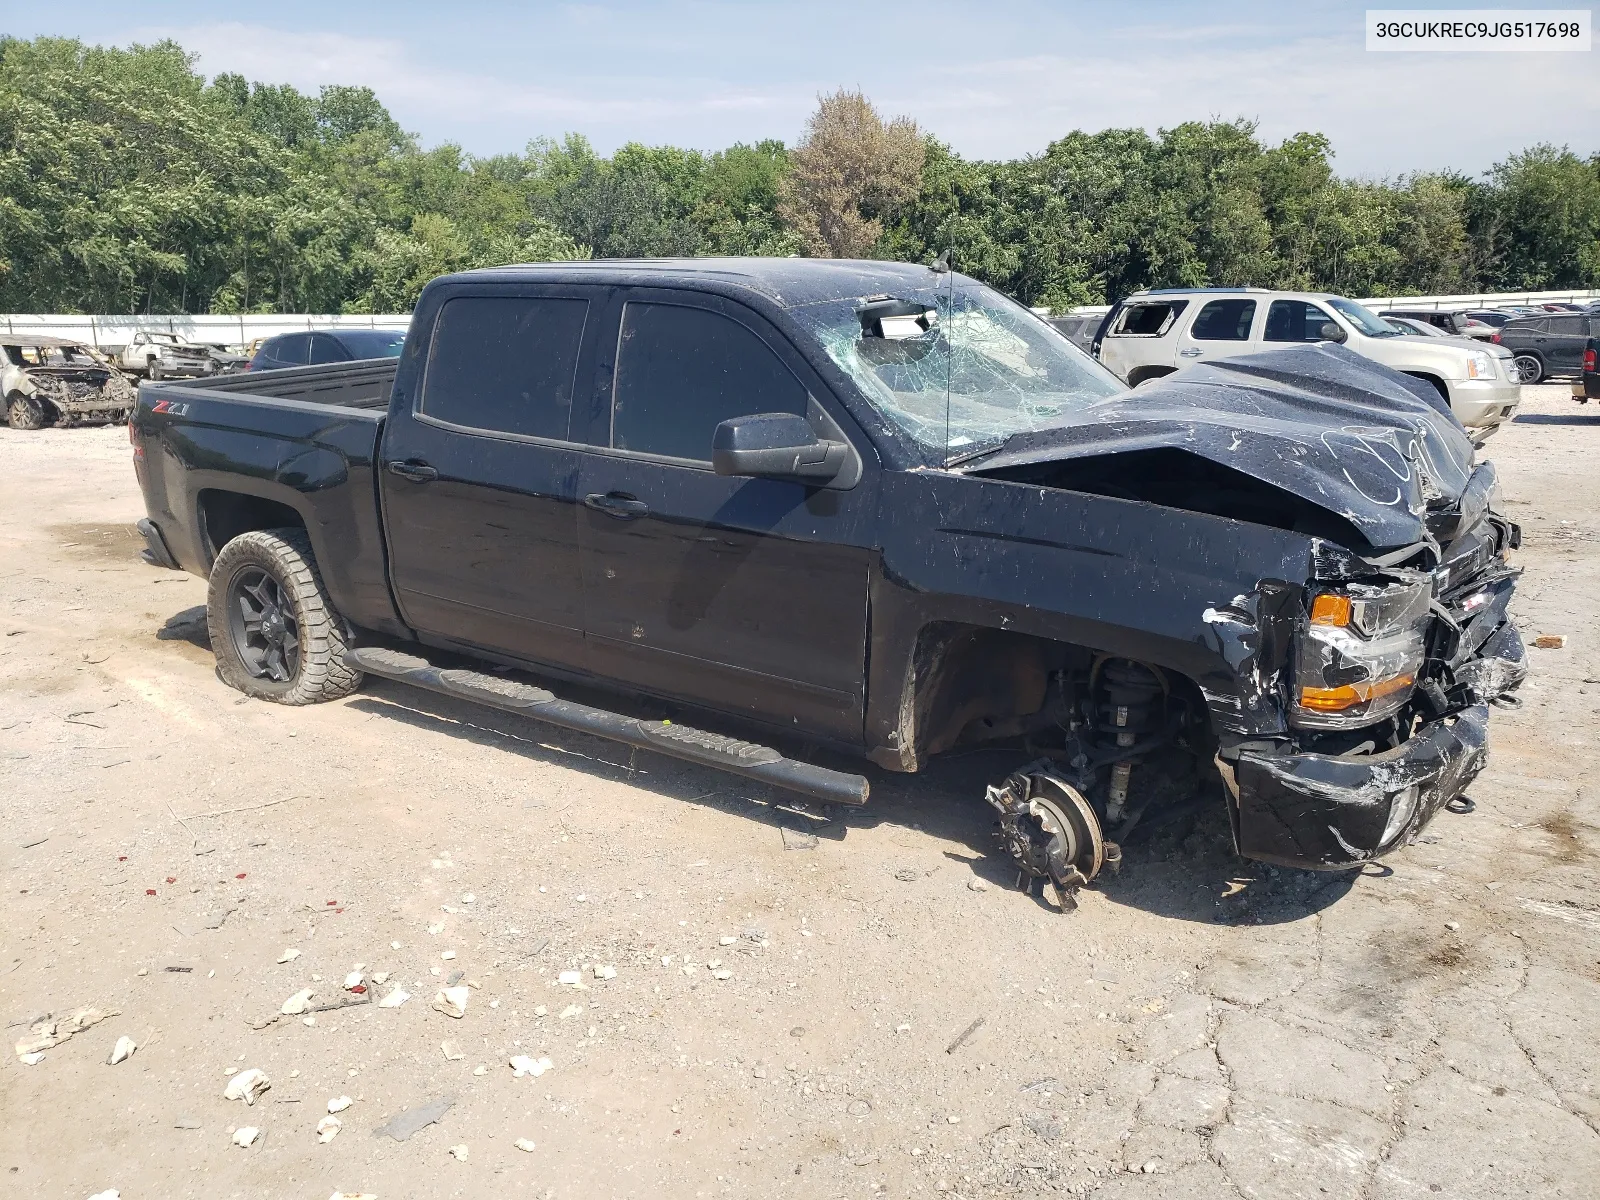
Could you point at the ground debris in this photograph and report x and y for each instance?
(963, 1036)
(452, 1001)
(122, 1050)
(402, 1125)
(1551, 641)
(244, 1137)
(524, 1144)
(328, 1129)
(247, 1085)
(47, 1032)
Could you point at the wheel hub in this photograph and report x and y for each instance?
(1051, 831)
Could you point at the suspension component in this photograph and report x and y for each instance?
(1051, 831)
(1127, 702)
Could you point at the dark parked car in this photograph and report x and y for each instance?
(1588, 386)
(1549, 345)
(1492, 317)
(789, 496)
(320, 346)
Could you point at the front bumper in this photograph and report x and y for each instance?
(1330, 812)
(1483, 403)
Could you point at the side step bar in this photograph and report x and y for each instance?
(680, 741)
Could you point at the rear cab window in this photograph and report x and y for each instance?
(1224, 321)
(1150, 320)
(504, 365)
(681, 371)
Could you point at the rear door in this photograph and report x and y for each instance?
(747, 596)
(325, 349)
(479, 482)
(1220, 329)
(1567, 336)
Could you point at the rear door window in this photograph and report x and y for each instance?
(1147, 320)
(1569, 326)
(325, 350)
(293, 349)
(682, 371)
(505, 364)
(1295, 321)
(1224, 321)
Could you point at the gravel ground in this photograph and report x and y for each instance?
(786, 1017)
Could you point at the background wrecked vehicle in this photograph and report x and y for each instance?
(879, 509)
(52, 381)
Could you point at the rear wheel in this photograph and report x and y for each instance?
(273, 629)
(24, 412)
(1528, 367)
(154, 368)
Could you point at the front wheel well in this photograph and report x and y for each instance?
(225, 515)
(968, 685)
(1439, 384)
(1145, 374)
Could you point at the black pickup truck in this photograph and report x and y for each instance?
(875, 508)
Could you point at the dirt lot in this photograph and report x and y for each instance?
(785, 1017)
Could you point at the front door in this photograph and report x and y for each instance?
(1221, 329)
(479, 480)
(748, 596)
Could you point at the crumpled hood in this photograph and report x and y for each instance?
(1352, 436)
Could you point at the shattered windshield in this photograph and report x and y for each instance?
(958, 371)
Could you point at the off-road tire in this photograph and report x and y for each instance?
(284, 555)
(153, 370)
(24, 412)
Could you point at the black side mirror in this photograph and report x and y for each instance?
(1332, 333)
(775, 446)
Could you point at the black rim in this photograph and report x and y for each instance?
(262, 621)
(1528, 369)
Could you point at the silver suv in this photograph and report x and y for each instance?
(1155, 333)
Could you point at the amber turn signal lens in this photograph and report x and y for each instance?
(1328, 609)
(1336, 699)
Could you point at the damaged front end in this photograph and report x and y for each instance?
(1382, 670)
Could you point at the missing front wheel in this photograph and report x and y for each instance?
(1051, 831)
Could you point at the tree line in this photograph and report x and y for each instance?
(130, 183)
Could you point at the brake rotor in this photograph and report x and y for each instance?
(1051, 832)
(1075, 845)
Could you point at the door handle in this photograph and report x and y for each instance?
(1189, 352)
(617, 504)
(414, 471)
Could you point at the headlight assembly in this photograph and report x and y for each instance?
(1480, 365)
(1359, 654)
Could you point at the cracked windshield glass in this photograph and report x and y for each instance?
(958, 370)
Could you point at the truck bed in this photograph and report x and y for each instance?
(365, 383)
(296, 446)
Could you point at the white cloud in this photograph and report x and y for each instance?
(638, 75)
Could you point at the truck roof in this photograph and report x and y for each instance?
(785, 281)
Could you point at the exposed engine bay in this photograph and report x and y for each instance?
(53, 381)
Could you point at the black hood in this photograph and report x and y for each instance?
(1341, 432)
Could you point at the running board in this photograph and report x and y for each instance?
(679, 741)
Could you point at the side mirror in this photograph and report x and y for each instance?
(775, 446)
(1333, 333)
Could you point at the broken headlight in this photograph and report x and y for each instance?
(1359, 654)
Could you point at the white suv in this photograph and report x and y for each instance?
(1155, 333)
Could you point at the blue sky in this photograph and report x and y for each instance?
(992, 78)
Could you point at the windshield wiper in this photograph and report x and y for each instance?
(986, 449)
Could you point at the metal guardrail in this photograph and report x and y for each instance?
(110, 332)
(1468, 300)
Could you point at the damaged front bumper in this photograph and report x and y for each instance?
(1328, 812)
(1335, 811)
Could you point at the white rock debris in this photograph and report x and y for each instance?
(395, 998)
(244, 1137)
(296, 1004)
(328, 1129)
(247, 1085)
(122, 1050)
(339, 1104)
(452, 1001)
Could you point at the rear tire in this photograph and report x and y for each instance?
(24, 412)
(1529, 368)
(273, 629)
